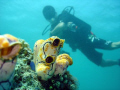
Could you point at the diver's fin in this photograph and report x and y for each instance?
(32, 65)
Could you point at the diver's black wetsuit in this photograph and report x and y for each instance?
(83, 39)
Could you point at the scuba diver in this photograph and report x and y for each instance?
(78, 35)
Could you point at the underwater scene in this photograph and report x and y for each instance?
(59, 45)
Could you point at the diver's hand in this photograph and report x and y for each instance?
(72, 27)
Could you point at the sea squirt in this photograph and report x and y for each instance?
(9, 49)
(45, 53)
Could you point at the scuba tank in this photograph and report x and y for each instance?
(66, 17)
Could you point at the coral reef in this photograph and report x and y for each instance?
(61, 82)
(26, 79)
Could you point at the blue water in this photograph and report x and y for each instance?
(24, 19)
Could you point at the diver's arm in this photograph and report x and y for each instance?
(58, 30)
